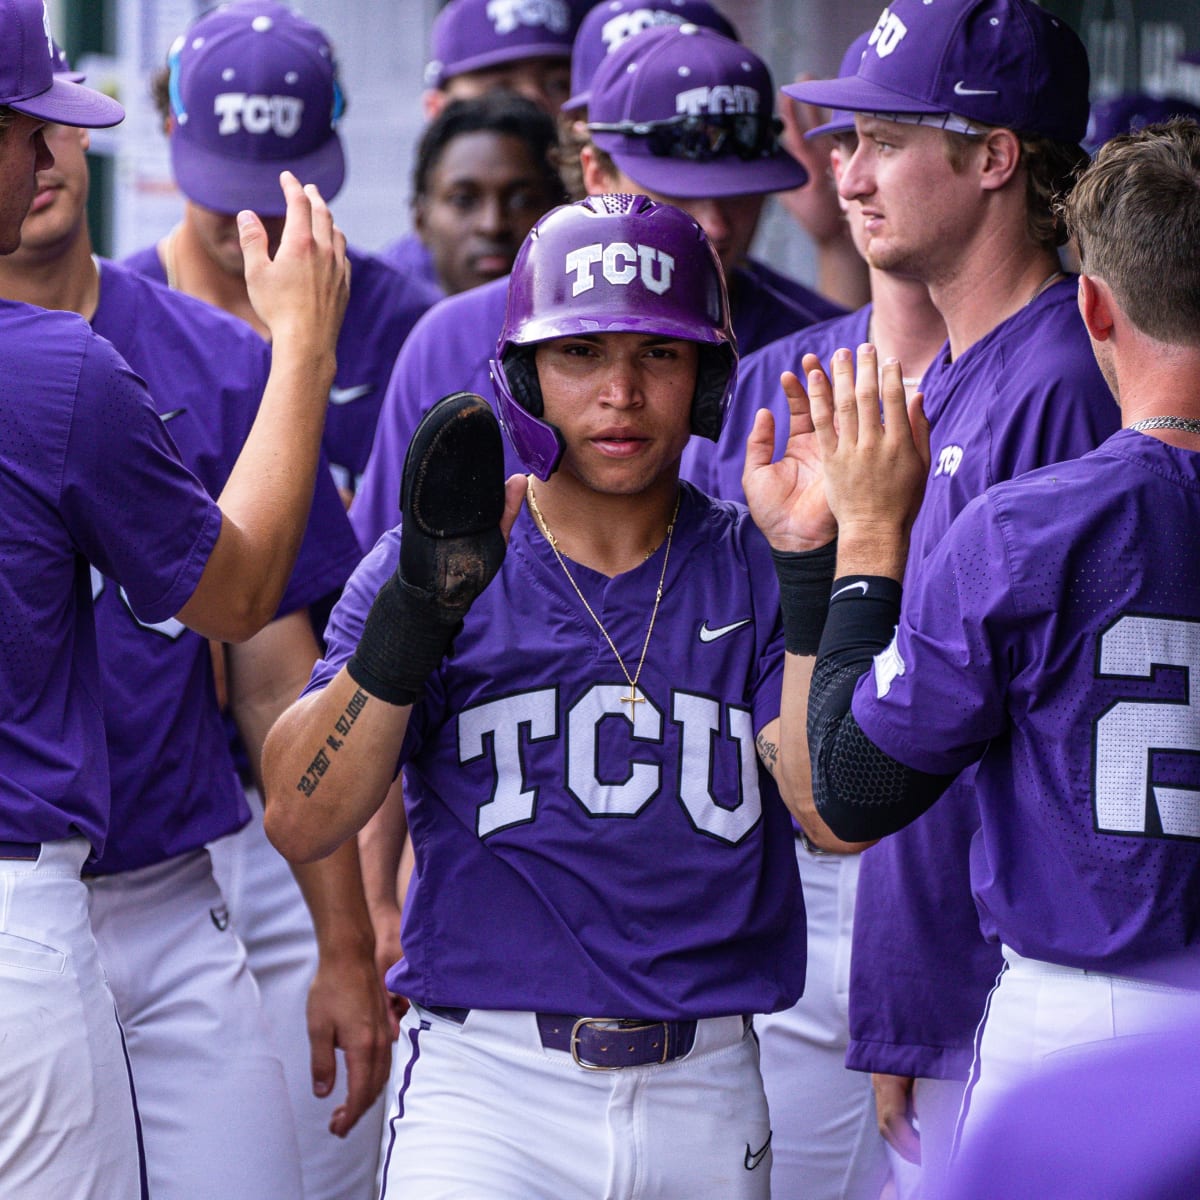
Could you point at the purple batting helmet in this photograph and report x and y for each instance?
(611, 264)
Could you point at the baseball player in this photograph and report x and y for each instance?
(727, 186)
(89, 472)
(199, 1044)
(252, 86)
(1047, 642)
(483, 174)
(231, 66)
(968, 116)
(831, 1150)
(605, 882)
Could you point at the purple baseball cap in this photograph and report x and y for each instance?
(612, 23)
(28, 82)
(254, 91)
(841, 121)
(1124, 114)
(470, 35)
(995, 62)
(689, 113)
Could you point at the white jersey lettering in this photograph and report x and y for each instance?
(171, 628)
(606, 798)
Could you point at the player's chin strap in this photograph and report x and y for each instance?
(451, 547)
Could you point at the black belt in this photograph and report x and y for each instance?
(25, 851)
(604, 1043)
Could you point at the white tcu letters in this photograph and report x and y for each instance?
(171, 629)
(508, 15)
(724, 98)
(500, 726)
(620, 263)
(258, 114)
(619, 29)
(889, 31)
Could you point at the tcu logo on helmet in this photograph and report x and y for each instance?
(888, 32)
(724, 98)
(620, 263)
(507, 15)
(619, 29)
(258, 114)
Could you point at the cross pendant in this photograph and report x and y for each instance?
(633, 698)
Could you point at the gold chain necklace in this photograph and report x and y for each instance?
(633, 697)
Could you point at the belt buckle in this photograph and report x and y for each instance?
(619, 1028)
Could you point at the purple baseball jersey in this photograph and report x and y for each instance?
(384, 306)
(1053, 636)
(1027, 394)
(452, 344)
(174, 787)
(410, 256)
(716, 467)
(87, 473)
(572, 857)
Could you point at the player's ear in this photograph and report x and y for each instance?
(1096, 307)
(597, 180)
(433, 100)
(1001, 157)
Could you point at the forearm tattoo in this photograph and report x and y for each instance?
(768, 752)
(333, 743)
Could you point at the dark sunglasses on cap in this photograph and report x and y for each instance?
(703, 137)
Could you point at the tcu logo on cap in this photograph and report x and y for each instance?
(889, 31)
(723, 98)
(620, 263)
(506, 15)
(258, 114)
(619, 29)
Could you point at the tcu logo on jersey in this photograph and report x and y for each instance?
(888, 33)
(507, 15)
(619, 29)
(279, 115)
(949, 460)
(724, 98)
(713, 738)
(620, 263)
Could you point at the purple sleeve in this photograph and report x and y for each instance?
(133, 509)
(346, 621)
(936, 696)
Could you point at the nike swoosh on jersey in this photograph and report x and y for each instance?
(344, 395)
(170, 416)
(754, 1157)
(959, 90)
(859, 585)
(711, 635)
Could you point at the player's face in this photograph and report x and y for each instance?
(545, 81)
(842, 152)
(916, 210)
(483, 197)
(622, 402)
(217, 233)
(23, 153)
(729, 221)
(58, 213)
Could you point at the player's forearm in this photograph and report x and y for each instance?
(380, 845)
(333, 890)
(327, 766)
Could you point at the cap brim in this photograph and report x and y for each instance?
(843, 122)
(582, 100)
(729, 176)
(68, 103)
(498, 58)
(229, 185)
(855, 94)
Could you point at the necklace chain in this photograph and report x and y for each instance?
(633, 697)
(1185, 424)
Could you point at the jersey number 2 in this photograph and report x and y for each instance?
(1131, 732)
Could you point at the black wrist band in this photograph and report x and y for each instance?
(863, 613)
(405, 637)
(805, 578)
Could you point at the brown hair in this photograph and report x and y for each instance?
(1135, 213)
(1050, 171)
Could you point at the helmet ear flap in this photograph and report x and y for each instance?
(715, 379)
(521, 372)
